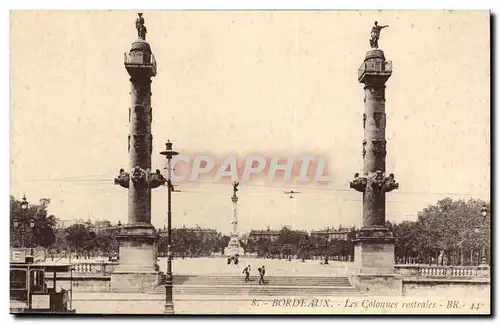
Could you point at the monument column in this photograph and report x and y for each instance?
(234, 248)
(374, 249)
(138, 269)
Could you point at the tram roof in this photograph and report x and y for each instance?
(48, 267)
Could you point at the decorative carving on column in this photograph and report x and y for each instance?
(377, 180)
(138, 109)
(156, 179)
(128, 145)
(379, 147)
(377, 93)
(378, 106)
(150, 143)
(381, 183)
(379, 118)
(139, 176)
(123, 179)
(359, 183)
(364, 120)
(138, 139)
(364, 148)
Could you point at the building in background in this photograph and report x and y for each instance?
(205, 234)
(332, 234)
(65, 223)
(269, 234)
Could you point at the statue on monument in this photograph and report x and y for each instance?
(235, 187)
(141, 28)
(375, 34)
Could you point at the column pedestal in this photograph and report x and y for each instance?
(374, 251)
(374, 262)
(234, 247)
(138, 269)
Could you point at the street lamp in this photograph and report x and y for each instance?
(327, 241)
(484, 213)
(24, 208)
(169, 303)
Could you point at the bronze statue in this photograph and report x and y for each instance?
(141, 28)
(375, 34)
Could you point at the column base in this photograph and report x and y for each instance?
(134, 281)
(374, 263)
(169, 308)
(379, 284)
(234, 247)
(137, 269)
(374, 251)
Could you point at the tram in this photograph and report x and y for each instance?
(33, 285)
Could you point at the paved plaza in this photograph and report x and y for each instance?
(195, 301)
(274, 267)
(218, 266)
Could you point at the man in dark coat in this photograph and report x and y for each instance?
(262, 272)
(246, 271)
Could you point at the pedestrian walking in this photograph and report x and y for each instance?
(246, 271)
(262, 272)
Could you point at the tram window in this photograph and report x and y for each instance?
(38, 281)
(18, 279)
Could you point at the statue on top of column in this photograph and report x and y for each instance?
(141, 28)
(375, 34)
(235, 187)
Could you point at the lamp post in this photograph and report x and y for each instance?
(24, 208)
(484, 213)
(327, 241)
(169, 303)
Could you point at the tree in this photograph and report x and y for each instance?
(445, 232)
(107, 243)
(33, 226)
(80, 239)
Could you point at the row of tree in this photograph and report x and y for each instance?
(291, 243)
(449, 232)
(453, 232)
(188, 243)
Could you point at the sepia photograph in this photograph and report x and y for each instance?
(264, 162)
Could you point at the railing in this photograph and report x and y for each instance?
(374, 66)
(140, 58)
(98, 268)
(441, 271)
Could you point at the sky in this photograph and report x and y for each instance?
(239, 83)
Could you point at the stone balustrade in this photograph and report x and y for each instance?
(426, 271)
(97, 268)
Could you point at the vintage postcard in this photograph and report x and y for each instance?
(250, 162)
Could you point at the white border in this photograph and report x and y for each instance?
(191, 5)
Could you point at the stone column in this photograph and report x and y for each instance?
(374, 250)
(234, 246)
(138, 269)
(234, 199)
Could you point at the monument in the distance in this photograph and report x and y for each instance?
(374, 246)
(138, 269)
(234, 247)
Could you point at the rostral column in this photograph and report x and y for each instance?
(374, 246)
(138, 269)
